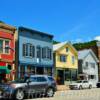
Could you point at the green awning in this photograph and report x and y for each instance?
(4, 70)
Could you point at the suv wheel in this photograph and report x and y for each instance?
(80, 87)
(90, 86)
(19, 95)
(50, 92)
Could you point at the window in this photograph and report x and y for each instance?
(33, 51)
(62, 58)
(85, 81)
(38, 52)
(41, 79)
(44, 52)
(33, 79)
(73, 59)
(49, 53)
(92, 65)
(1, 46)
(86, 64)
(92, 76)
(51, 78)
(67, 49)
(6, 44)
(22, 71)
(28, 50)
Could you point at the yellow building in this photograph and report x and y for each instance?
(65, 62)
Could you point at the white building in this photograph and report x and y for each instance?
(88, 66)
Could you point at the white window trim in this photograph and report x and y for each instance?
(4, 46)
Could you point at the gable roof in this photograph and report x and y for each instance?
(59, 45)
(82, 54)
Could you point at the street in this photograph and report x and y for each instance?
(86, 94)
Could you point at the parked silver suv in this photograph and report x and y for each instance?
(35, 84)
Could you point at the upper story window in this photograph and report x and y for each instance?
(47, 53)
(67, 49)
(86, 64)
(92, 65)
(63, 58)
(44, 52)
(28, 50)
(3, 44)
(38, 52)
(6, 44)
(73, 59)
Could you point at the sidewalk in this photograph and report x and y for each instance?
(62, 87)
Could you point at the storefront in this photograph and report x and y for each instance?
(66, 75)
(33, 70)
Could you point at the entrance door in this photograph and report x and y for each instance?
(40, 70)
(60, 75)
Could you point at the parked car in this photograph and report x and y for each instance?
(81, 84)
(35, 84)
(98, 85)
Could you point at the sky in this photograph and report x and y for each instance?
(67, 20)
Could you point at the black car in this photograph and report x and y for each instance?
(98, 85)
(35, 84)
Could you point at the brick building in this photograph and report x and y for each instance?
(7, 53)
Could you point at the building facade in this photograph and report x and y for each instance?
(34, 52)
(65, 62)
(7, 53)
(88, 66)
(98, 55)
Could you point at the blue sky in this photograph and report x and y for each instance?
(67, 20)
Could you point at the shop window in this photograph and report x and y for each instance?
(92, 77)
(67, 75)
(22, 71)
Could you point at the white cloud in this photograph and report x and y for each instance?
(97, 38)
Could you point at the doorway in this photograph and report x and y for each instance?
(60, 77)
(40, 70)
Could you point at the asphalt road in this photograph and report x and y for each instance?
(86, 94)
